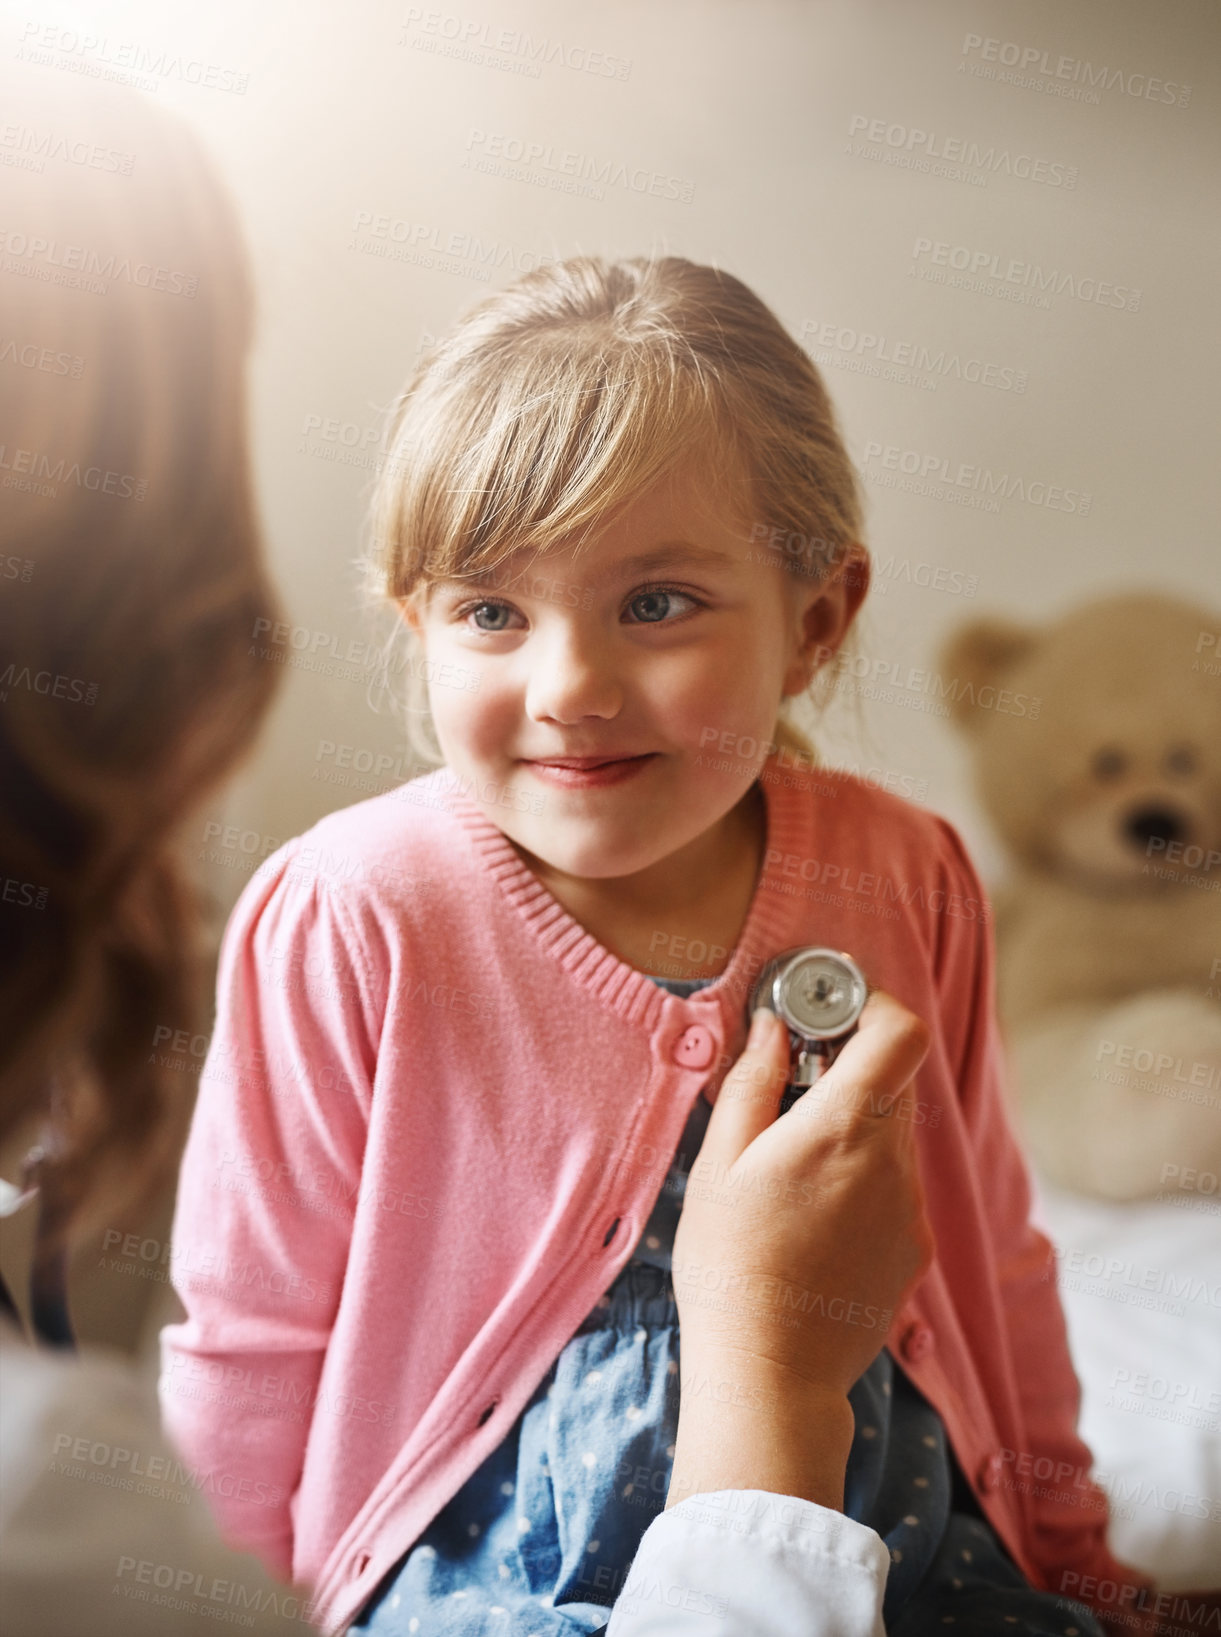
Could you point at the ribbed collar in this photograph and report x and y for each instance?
(628, 992)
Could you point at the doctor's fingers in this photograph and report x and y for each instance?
(748, 1098)
(873, 1072)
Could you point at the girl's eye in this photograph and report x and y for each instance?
(494, 609)
(656, 603)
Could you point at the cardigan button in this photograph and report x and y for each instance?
(988, 1476)
(695, 1047)
(916, 1342)
(361, 1563)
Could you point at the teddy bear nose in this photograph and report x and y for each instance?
(1154, 824)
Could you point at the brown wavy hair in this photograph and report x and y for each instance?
(131, 577)
(556, 399)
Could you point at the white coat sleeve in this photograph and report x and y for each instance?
(747, 1563)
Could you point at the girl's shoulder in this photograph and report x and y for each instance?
(358, 878)
(872, 818)
(390, 845)
(337, 908)
(843, 833)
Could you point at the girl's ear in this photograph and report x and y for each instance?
(827, 610)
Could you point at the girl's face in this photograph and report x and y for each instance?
(664, 647)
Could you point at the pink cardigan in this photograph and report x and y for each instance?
(435, 1116)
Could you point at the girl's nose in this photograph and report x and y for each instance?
(571, 677)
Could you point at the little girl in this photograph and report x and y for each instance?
(470, 1031)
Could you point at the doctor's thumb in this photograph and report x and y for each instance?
(748, 1099)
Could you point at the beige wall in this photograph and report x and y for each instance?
(761, 114)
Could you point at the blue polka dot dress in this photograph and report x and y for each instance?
(540, 1539)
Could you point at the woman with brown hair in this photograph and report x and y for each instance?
(132, 575)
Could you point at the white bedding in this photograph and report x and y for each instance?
(1141, 1287)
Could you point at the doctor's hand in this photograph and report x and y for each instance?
(801, 1235)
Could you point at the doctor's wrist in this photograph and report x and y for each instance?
(748, 1424)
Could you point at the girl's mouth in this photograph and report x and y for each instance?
(581, 772)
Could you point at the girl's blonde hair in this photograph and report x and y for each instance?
(560, 398)
(134, 582)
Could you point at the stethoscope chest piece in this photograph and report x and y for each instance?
(819, 993)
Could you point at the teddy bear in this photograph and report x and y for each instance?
(1096, 748)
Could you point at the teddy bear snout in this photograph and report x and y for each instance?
(1137, 837)
(1155, 823)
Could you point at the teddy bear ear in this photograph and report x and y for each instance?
(978, 654)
